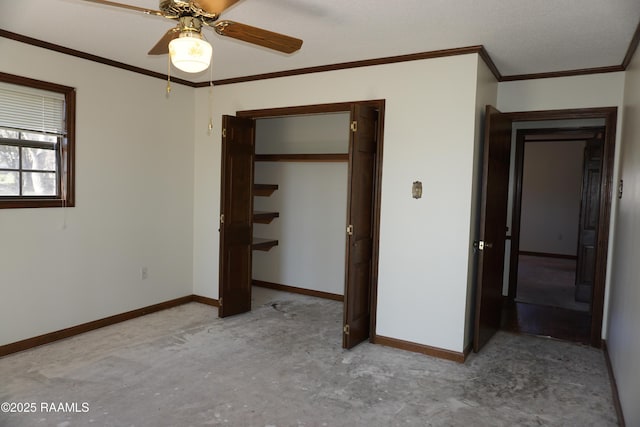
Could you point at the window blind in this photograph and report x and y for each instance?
(30, 109)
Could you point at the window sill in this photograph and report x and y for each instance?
(36, 202)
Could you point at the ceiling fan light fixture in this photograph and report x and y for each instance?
(190, 52)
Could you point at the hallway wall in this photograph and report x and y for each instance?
(551, 197)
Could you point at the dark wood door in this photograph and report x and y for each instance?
(493, 220)
(236, 206)
(589, 215)
(360, 215)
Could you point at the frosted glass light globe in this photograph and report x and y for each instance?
(190, 53)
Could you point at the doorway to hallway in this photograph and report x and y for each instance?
(555, 220)
(496, 271)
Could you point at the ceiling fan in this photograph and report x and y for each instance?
(184, 43)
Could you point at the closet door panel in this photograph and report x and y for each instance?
(236, 215)
(360, 214)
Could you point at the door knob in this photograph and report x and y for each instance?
(481, 245)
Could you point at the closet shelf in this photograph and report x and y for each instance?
(260, 244)
(261, 217)
(264, 190)
(331, 157)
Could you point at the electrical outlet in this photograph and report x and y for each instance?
(144, 273)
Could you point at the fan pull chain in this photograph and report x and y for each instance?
(168, 75)
(210, 125)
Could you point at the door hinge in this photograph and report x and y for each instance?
(350, 230)
(345, 329)
(222, 219)
(224, 132)
(220, 302)
(354, 126)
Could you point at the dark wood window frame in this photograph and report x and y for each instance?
(66, 154)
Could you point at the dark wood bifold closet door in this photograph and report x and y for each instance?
(236, 220)
(493, 220)
(360, 215)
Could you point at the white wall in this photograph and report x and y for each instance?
(311, 200)
(429, 136)
(588, 91)
(134, 198)
(623, 333)
(591, 90)
(551, 196)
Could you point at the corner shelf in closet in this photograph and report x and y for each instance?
(264, 190)
(260, 217)
(260, 244)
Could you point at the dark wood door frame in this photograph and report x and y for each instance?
(346, 107)
(609, 114)
(524, 136)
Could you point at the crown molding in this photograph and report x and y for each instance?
(364, 63)
(633, 46)
(568, 73)
(478, 49)
(83, 55)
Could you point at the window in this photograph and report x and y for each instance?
(36, 143)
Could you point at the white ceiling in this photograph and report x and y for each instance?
(521, 36)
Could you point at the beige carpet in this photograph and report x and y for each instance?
(548, 281)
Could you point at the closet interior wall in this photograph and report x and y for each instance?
(311, 201)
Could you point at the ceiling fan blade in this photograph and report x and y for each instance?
(162, 47)
(128, 6)
(254, 35)
(215, 6)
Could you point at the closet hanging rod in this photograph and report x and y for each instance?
(331, 157)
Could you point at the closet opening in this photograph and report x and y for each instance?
(300, 203)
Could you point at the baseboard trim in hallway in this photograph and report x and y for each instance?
(421, 348)
(100, 323)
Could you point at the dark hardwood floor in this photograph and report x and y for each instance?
(534, 319)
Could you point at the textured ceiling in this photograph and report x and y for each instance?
(521, 36)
